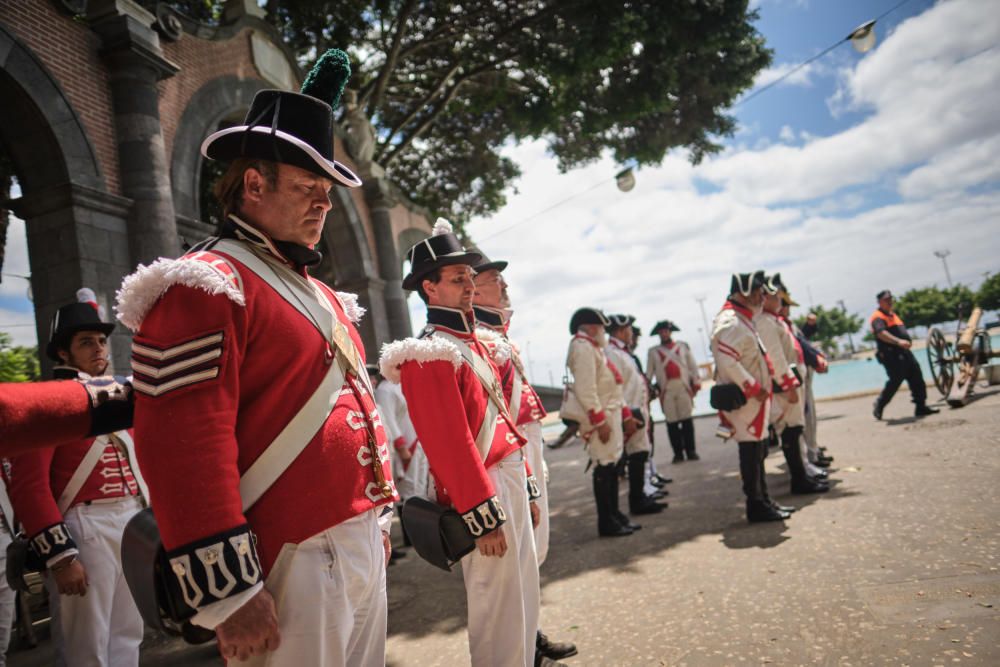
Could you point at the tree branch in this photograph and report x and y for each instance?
(415, 109)
(391, 58)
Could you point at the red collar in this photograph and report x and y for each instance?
(617, 343)
(739, 308)
(587, 338)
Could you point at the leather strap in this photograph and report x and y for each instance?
(6, 508)
(81, 473)
(495, 406)
(311, 302)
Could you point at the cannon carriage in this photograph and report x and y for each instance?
(955, 367)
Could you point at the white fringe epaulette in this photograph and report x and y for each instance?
(421, 350)
(142, 289)
(495, 343)
(352, 308)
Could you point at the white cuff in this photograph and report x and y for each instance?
(385, 519)
(212, 615)
(62, 555)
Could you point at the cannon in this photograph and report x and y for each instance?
(955, 368)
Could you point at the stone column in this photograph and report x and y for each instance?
(132, 50)
(380, 202)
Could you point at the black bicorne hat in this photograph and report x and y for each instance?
(82, 315)
(485, 264)
(442, 248)
(619, 322)
(587, 315)
(292, 128)
(745, 283)
(663, 324)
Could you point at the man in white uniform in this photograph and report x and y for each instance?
(672, 366)
(636, 399)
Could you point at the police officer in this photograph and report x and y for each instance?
(894, 342)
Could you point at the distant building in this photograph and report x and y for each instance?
(105, 106)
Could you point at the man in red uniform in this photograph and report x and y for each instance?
(456, 401)
(493, 313)
(268, 467)
(74, 502)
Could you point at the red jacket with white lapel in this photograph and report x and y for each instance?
(201, 424)
(498, 321)
(447, 405)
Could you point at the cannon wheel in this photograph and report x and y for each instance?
(940, 356)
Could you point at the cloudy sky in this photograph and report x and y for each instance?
(845, 177)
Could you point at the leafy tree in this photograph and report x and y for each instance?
(926, 306)
(448, 86)
(988, 296)
(831, 324)
(17, 363)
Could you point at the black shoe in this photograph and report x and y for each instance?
(658, 495)
(824, 457)
(923, 411)
(646, 506)
(759, 513)
(626, 522)
(693, 456)
(614, 530)
(788, 509)
(553, 650)
(678, 458)
(808, 485)
(877, 410)
(661, 479)
(821, 463)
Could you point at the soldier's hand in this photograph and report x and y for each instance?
(251, 630)
(793, 396)
(536, 514)
(604, 432)
(629, 427)
(905, 344)
(492, 544)
(70, 579)
(387, 547)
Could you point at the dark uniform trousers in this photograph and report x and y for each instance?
(901, 365)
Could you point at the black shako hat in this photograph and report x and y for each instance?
(71, 318)
(745, 283)
(292, 128)
(442, 248)
(587, 315)
(619, 322)
(485, 264)
(663, 324)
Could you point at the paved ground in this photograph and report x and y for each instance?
(898, 565)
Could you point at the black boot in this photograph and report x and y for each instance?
(676, 441)
(616, 513)
(758, 509)
(545, 647)
(638, 501)
(923, 410)
(605, 478)
(801, 482)
(687, 433)
(877, 408)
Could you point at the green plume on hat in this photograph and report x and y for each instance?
(327, 78)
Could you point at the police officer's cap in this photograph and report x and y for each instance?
(587, 315)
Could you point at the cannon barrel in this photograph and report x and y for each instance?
(969, 335)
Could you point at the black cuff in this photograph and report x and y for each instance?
(214, 568)
(484, 518)
(111, 404)
(534, 493)
(52, 541)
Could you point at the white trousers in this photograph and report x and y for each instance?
(810, 410)
(534, 450)
(102, 628)
(414, 481)
(676, 402)
(6, 598)
(330, 595)
(502, 593)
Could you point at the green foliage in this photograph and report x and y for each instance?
(926, 306)
(17, 363)
(327, 78)
(988, 296)
(449, 86)
(832, 323)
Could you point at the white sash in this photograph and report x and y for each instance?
(307, 298)
(517, 388)
(673, 356)
(81, 473)
(495, 406)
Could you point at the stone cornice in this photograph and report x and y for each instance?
(69, 194)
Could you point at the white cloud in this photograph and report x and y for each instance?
(787, 134)
(19, 322)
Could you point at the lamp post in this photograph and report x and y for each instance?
(943, 256)
(704, 322)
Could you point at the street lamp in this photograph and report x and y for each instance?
(625, 179)
(943, 256)
(863, 37)
(704, 321)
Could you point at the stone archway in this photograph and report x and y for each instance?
(77, 232)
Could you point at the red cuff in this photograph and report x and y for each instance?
(751, 389)
(596, 418)
(789, 382)
(626, 413)
(399, 443)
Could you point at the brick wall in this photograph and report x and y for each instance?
(68, 50)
